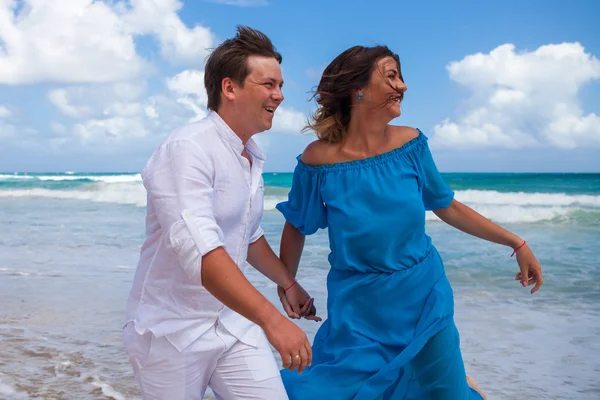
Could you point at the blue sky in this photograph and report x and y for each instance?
(94, 86)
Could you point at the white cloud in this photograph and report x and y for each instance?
(92, 41)
(523, 99)
(188, 82)
(288, 120)
(124, 113)
(155, 117)
(64, 41)
(571, 129)
(60, 98)
(179, 44)
(107, 130)
(170, 111)
(188, 89)
(118, 99)
(105, 113)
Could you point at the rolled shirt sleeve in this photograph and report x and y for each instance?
(179, 181)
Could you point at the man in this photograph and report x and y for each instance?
(193, 319)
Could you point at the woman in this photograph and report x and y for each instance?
(390, 332)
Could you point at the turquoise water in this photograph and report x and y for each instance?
(568, 183)
(70, 242)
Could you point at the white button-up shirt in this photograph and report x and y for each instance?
(202, 194)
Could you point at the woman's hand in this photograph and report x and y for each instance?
(531, 270)
(297, 303)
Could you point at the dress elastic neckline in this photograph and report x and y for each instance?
(366, 162)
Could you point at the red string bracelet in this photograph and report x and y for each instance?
(515, 250)
(291, 286)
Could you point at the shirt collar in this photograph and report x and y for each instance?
(234, 140)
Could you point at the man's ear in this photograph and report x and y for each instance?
(228, 88)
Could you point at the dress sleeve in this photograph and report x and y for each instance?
(305, 208)
(435, 192)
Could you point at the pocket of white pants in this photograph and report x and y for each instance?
(137, 346)
(261, 361)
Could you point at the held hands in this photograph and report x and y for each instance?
(297, 303)
(531, 270)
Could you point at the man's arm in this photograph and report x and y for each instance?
(224, 280)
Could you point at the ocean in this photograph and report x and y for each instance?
(70, 242)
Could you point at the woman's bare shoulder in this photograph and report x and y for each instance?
(318, 152)
(400, 135)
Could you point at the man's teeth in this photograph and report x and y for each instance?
(269, 109)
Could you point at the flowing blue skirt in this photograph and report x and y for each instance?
(388, 336)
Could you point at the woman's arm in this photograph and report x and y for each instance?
(290, 252)
(262, 257)
(469, 221)
(290, 248)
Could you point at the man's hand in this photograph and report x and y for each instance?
(291, 343)
(297, 303)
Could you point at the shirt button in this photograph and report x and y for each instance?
(186, 214)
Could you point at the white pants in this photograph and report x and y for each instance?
(232, 369)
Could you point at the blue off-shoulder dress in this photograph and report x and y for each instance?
(390, 332)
